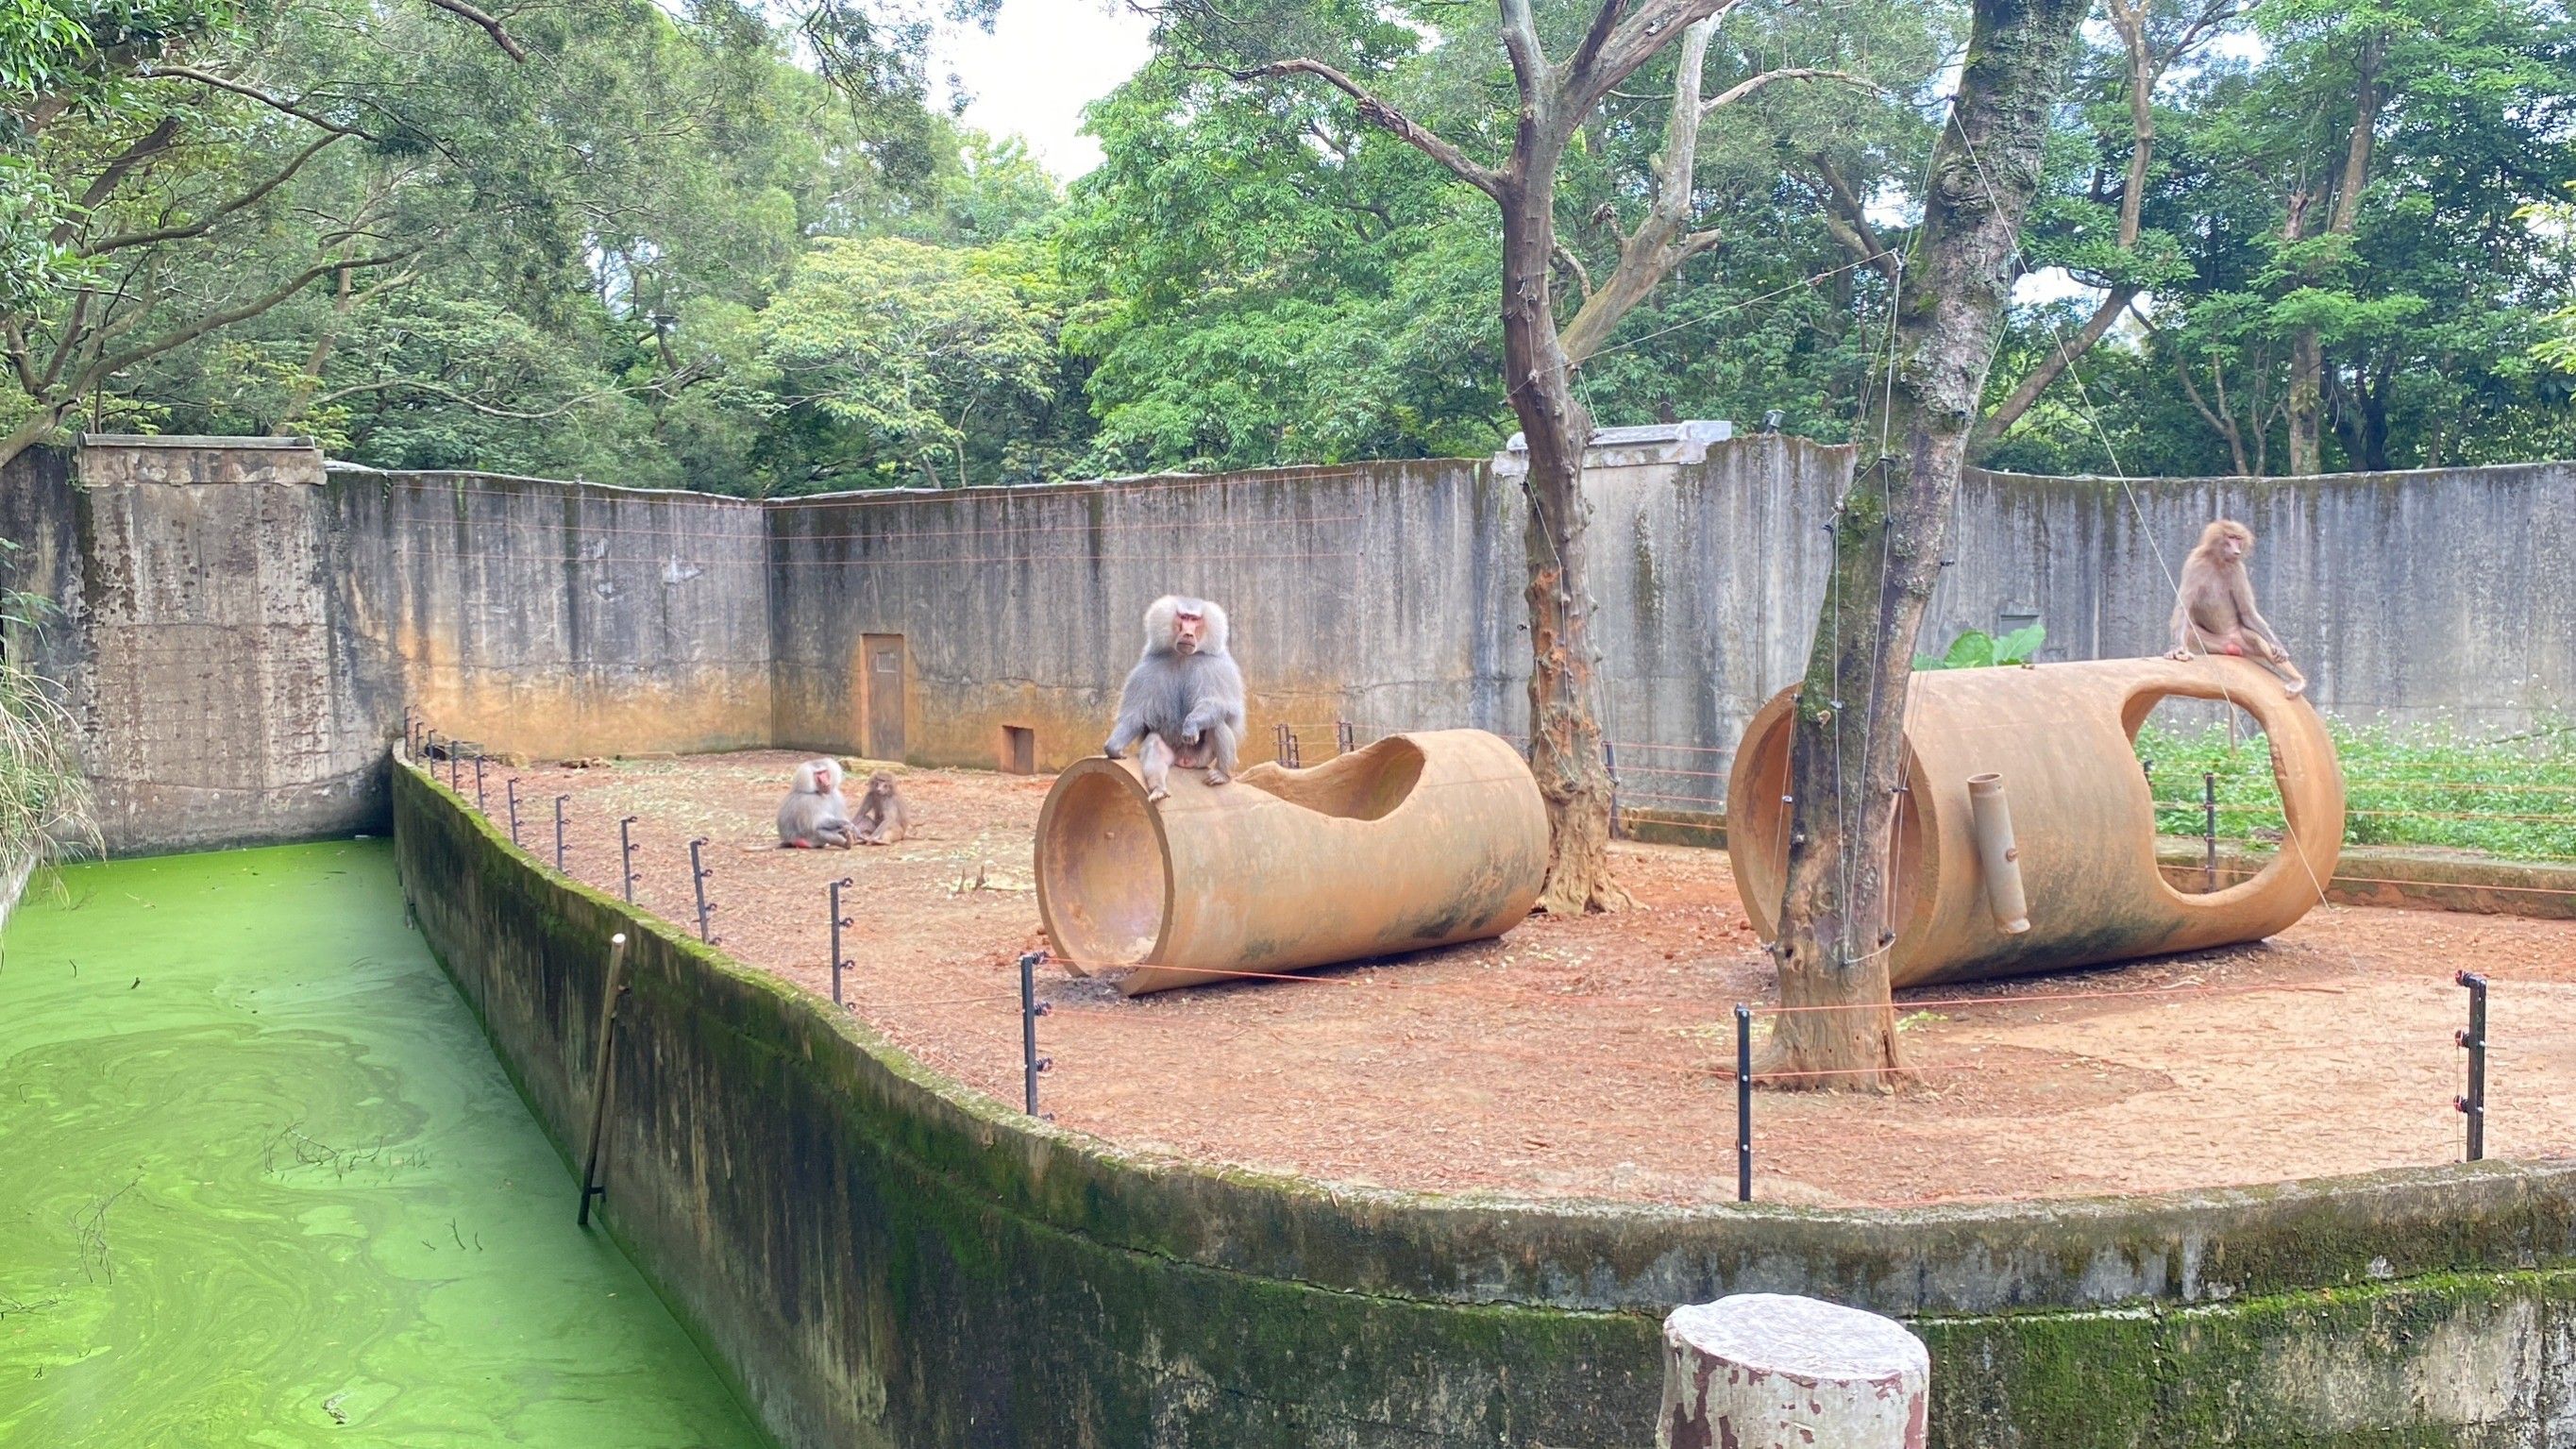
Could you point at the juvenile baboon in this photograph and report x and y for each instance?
(2214, 609)
(814, 814)
(1184, 698)
(880, 819)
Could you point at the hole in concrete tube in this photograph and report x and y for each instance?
(2176, 742)
(1104, 872)
(1363, 785)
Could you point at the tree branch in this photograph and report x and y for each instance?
(1633, 43)
(1530, 69)
(1746, 87)
(1863, 240)
(1381, 115)
(207, 223)
(274, 103)
(491, 26)
(181, 336)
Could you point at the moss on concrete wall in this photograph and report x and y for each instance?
(880, 1257)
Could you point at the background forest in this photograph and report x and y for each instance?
(740, 248)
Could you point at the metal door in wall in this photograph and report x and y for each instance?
(882, 669)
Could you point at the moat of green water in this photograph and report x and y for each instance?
(262, 1182)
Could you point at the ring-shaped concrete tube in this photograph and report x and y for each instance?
(2060, 735)
(1416, 841)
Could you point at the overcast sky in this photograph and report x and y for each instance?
(1044, 61)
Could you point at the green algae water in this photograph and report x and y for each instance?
(263, 1183)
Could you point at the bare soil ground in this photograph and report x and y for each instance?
(1594, 1058)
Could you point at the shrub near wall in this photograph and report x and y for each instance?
(878, 1257)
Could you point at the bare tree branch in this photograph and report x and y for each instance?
(274, 103)
(1381, 115)
(491, 26)
(1633, 43)
(242, 312)
(207, 223)
(1746, 87)
(1520, 40)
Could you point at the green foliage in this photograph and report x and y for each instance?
(906, 342)
(2511, 797)
(45, 806)
(1976, 649)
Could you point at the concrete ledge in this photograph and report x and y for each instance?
(2410, 878)
(880, 1256)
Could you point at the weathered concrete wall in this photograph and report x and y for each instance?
(556, 619)
(198, 642)
(1355, 593)
(2413, 597)
(238, 630)
(882, 1257)
(241, 643)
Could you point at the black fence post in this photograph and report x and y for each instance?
(478, 785)
(1030, 1010)
(626, 876)
(2474, 1105)
(511, 790)
(455, 768)
(698, 874)
(559, 833)
(1610, 758)
(1743, 1102)
(1345, 735)
(2209, 826)
(839, 922)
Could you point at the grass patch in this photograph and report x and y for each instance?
(2513, 796)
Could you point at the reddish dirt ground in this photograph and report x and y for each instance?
(1593, 1058)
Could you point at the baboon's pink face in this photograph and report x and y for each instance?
(1188, 630)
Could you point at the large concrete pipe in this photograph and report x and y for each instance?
(1418, 840)
(2059, 737)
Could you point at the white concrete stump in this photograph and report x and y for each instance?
(1771, 1371)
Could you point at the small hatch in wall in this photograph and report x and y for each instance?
(1019, 750)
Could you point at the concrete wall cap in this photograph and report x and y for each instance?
(189, 440)
(1682, 442)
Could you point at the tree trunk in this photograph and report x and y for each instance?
(1565, 731)
(1847, 749)
(2307, 353)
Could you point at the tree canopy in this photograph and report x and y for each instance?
(743, 248)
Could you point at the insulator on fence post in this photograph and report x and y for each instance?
(1030, 1010)
(2474, 1105)
(839, 923)
(511, 790)
(2209, 827)
(478, 784)
(698, 874)
(1743, 1103)
(626, 875)
(559, 833)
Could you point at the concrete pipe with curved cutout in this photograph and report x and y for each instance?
(1418, 840)
(2060, 738)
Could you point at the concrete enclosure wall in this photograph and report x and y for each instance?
(244, 625)
(881, 1257)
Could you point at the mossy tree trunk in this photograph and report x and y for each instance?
(1847, 748)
